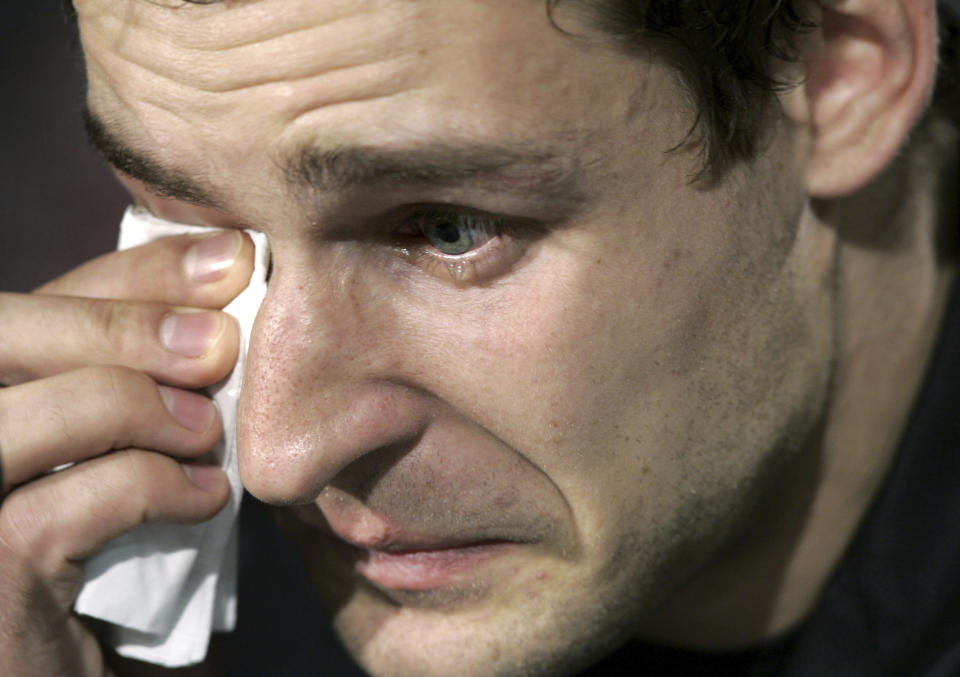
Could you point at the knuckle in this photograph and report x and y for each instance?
(119, 385)
(135, 468)
(58, 419)
(47, 524)
(118, 330)
(113, 490)
(150, 473)
(130, 465)
(121, 391)
(25, 525)
(113, 325)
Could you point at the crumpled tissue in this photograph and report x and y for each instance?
(166, 587)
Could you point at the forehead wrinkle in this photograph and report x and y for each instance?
(250, 21)
(286, 102)
(223, 24)
(272, 49)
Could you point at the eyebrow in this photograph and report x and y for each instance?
(491, 167)
(161, 180)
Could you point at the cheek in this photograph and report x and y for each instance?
(637, 379)
(550, 362)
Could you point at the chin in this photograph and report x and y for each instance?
(414, 642)
(529, 626)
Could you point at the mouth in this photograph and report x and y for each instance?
(392, 557)
(422, 568)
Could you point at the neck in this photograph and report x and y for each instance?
(890, 297)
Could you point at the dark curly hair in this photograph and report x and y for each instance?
(725, 53)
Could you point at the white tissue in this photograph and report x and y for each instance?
(166, 587)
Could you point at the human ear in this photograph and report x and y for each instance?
(869, 74)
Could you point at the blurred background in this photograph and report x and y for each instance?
(59, 205)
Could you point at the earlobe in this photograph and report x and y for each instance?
(869, 74)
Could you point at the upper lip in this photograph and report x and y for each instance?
(368, 530)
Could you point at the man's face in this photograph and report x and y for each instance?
(519, 376)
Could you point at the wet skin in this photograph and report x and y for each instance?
(507, 454)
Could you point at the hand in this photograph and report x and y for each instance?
(97, 367)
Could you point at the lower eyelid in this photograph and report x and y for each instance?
(491, 260)
(461, 271)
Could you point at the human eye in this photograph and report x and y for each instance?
(463, 245)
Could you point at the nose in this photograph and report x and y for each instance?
(322, 390)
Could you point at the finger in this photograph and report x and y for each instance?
(49, 526)
(80, 414)
(204, 271)
(46, 335)
(43, 639)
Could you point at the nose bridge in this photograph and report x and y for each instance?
(319, 309)
(313, 399)
(319, 304)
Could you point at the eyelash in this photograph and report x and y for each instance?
(501, 243)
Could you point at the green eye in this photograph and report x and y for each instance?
(462, 244)
(450, 234)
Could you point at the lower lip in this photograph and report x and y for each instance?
(423, 569)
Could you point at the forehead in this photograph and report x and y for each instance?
(211, 88)
(321, 54)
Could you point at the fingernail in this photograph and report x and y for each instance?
(210, 258)
(205, 477)
(194, 412)
(190, 333)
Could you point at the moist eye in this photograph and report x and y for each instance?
(463, 245)
(449, 234)
(457, 233)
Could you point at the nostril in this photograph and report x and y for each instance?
(293, 445)
(348, 517)
(361, 478)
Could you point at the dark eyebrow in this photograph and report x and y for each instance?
(162, 181)
(485, 166)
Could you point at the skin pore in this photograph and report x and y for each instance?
(586, 410)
